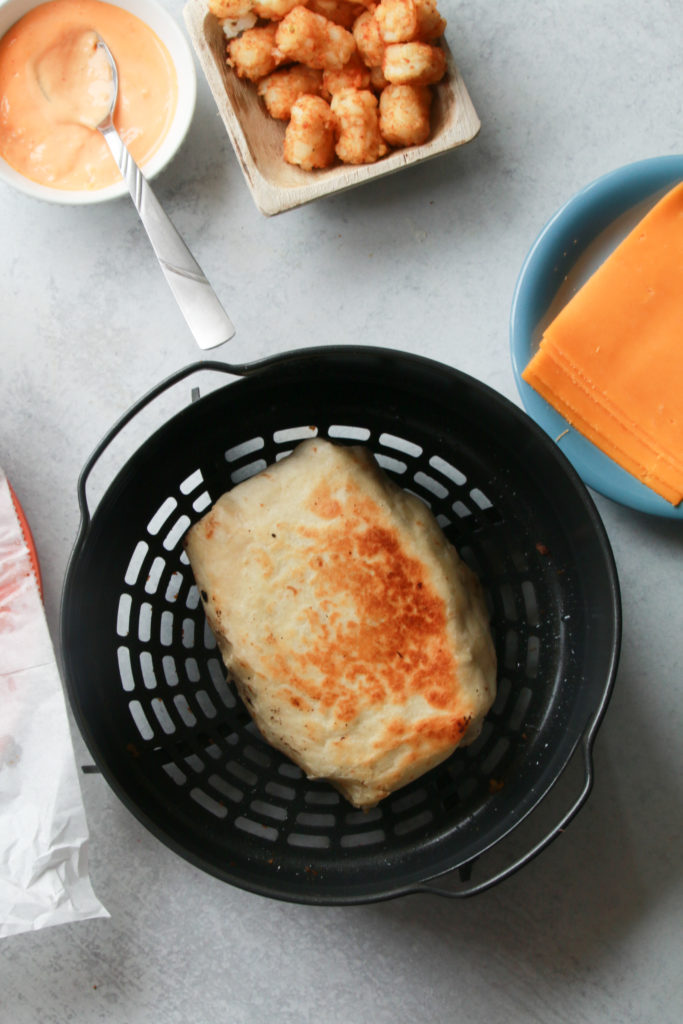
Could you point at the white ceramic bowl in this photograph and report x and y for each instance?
(170, 33)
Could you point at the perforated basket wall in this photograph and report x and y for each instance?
(164, 723)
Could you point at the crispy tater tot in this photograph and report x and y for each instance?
(430, 24)
(413, 64)
(377, 79)
(404, 114)
(282, 88)
(253, 54)
(275, 10)
(358, 136)
(397, 20)
(341, 12)
(230, 9)
(308, 38)
(310, 134)
(353, 75)
(369, 41)
(358, 77)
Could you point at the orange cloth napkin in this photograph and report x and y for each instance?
(611, 362)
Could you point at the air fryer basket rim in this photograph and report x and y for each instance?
(338, 360)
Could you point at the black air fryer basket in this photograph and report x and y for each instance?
(165, 725)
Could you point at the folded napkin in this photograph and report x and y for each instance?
(43, 833)
(611, 362)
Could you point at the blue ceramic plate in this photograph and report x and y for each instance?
(570, 247)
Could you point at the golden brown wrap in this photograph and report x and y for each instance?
(356, 636)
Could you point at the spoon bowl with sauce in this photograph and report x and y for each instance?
(78, 79)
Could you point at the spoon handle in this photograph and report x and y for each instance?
(197, 300)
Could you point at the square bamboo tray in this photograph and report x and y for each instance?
(257, 138)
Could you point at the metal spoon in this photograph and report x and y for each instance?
(197, 300)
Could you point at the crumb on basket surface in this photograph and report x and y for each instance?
(351, 79)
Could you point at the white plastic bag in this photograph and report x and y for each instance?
(43, 833)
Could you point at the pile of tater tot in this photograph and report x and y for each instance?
(352, 78)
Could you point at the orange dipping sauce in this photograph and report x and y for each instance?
(34, 139)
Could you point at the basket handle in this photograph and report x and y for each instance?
(231, 369)
(468, 888)
(130, 414)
